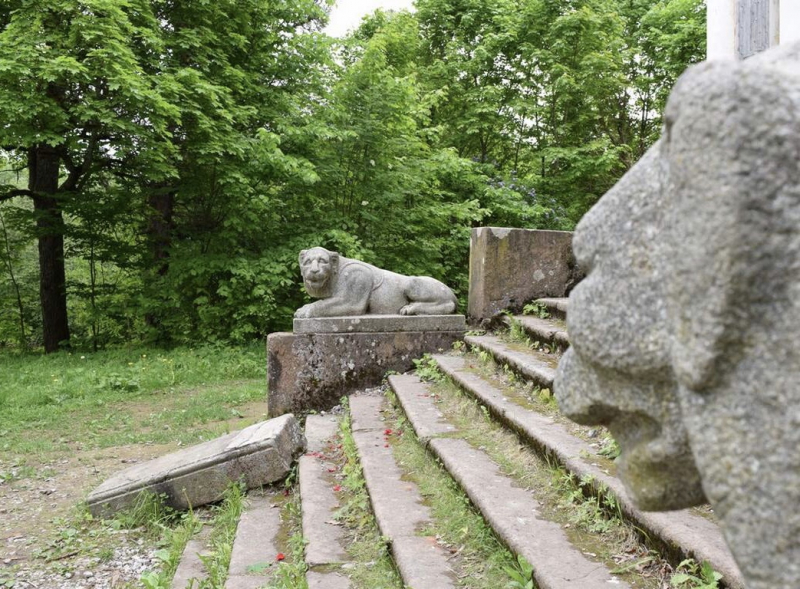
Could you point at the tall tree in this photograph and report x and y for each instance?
(153, 96)
(72, 93)
(567, 94)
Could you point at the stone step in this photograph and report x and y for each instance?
(333, 580)
(397, 503)
(325, 541)
(557, 307)
(255, 546)
(191, 571)
(683, 533)
(531, 364)
(544, 331)
(512, 512)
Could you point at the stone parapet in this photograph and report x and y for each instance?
(511, 267)
(314, 370)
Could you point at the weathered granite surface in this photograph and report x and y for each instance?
(510, 267)
(381, 323)
(313, 371)
(685, 338)
(258, 455)
(352, 287)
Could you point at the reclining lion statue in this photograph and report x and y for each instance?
(352, 287)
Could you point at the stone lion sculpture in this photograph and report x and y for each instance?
(686, 331)
(351, 287)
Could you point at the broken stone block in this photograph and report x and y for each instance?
(511, 267)
(258, 455)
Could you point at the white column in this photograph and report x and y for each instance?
(789, 20)
(721, 15)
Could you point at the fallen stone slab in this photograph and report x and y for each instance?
(380, 323)
(255, 550)
(313, 371)
(191, 570)
(325, 539)
(258, 455)
(398, 508)
(531, 364)
(682, 534)
(511, 267)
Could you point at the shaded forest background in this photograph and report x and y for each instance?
(162, 162)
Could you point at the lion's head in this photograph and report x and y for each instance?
(320, 269)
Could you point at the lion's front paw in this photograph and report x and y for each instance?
(303, 312)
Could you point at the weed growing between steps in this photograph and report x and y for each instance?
(225, 520)
(373, 567)
(479, 559)
(537, 310)
(173, 530)
(529, 396)
(590, 524)
(291, 572)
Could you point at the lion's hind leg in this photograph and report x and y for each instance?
(429, 308)
(428, 296)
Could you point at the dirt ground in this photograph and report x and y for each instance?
(48, 540)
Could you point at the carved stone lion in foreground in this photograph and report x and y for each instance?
(351, 287)
(684, 334)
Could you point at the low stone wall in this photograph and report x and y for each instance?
(510, 267)
(314, 370)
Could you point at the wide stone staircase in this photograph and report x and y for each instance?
(485, 417)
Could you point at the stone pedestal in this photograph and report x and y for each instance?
(327, 358)
(510, 267)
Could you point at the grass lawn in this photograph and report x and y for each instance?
(69, 420)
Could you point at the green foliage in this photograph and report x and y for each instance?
(521, 575)
(567, 94)
(427, 369)
(592, 509)
(536, 309)
(76, 398)
(226, 518)
(201, 145)
(609, 447)
(149, 512)
(695, 576)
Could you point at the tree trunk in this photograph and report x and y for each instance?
(159, 228)
(44, 163)
(159, 233)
